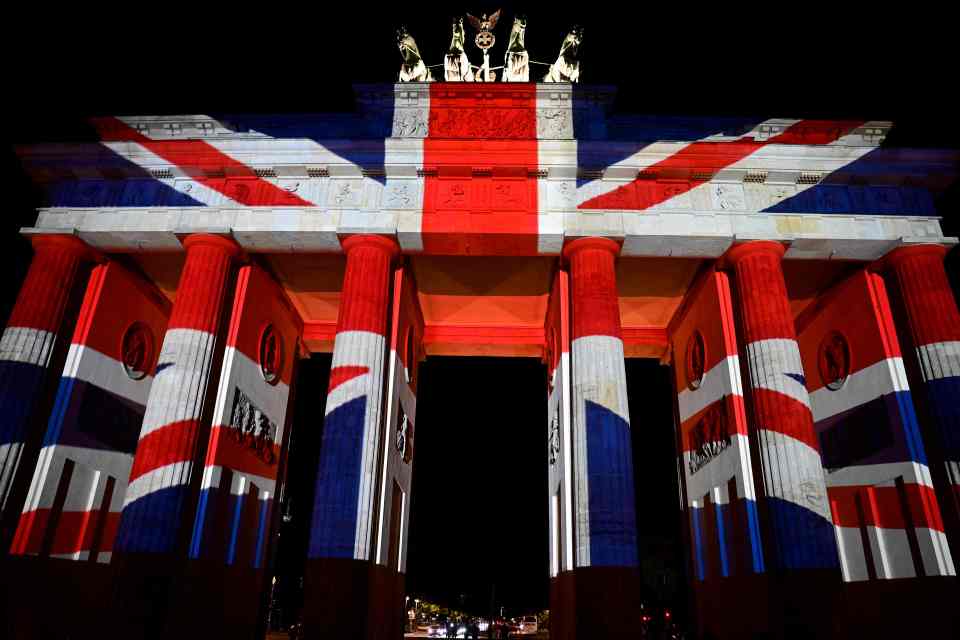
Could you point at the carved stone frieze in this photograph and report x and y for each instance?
(728, 196)
(402, 194)
(251, 428)
(554, 124)
(345, 193)
(472, 123)
(410, 123)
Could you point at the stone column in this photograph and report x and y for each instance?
(934, 324)
(607, 576)
(25, 355)
(792, 479)
(152, 530)
(338, 601)
(167, 449)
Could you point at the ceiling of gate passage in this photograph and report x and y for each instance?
(495, 306)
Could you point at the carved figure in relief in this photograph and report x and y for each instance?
(567, 66)
(344, 193)
(251, 428)
(399, 197)
(516, 64)
(413, 68)
(409, 124)
(456, 65)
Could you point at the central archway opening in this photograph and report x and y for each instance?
(478, 525)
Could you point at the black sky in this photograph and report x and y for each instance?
(875, 61)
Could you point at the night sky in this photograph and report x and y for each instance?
(479, 507)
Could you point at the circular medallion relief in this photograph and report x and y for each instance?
(271, 355)
(833, 360)
(136, 350)
(694, 360)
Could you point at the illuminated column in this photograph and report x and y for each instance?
(73, 507)
(337, 599)
(792, 482)
(168, 446)
(27, 346)
(934, 325)
(607, 578)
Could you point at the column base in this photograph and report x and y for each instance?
(563, 606)
(352, 600)
(162, 597)
(733, 607)
(595, 603)
(54, 598)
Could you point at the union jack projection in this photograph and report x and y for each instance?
(514, 153)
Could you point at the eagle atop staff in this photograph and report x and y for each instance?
(484, 23)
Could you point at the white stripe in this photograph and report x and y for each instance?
(87, 364)
(172, 475)
(9, 459)
(212, 475)
(732, 462)
(27, 345)
(357, 348)
(723, 379)
(873, 474)
(935, 551)
(792, 471)
(362, 348)
(872, 382)
(853, 563)
(598, 376)
(143, 157)
(566, 426)
(239, 371)
(940, 359)
(770, 360)
(46, 477)
(404, 189)
(178, 389)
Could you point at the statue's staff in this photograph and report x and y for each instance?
(485, 38)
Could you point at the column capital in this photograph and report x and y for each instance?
(738, 252)
(898, 255)
(65, 242)
(370, 240)
(225, 243)
(595, 242)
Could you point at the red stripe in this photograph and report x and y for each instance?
(593, 287)
(489, 215)
(859, 311)
(782, 414)
(225, 451)
(339, 375)
(199, 160)
(203, 283)
(734, 410)
(711, 157)
(33, 525)
(885, 510)
(927, 296)
(49, 282)
(164, 446)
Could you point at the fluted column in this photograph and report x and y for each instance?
(934, 324)
(168, 447)
(606, 563)
(793, 483)
(337, 599)
(28, 342)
